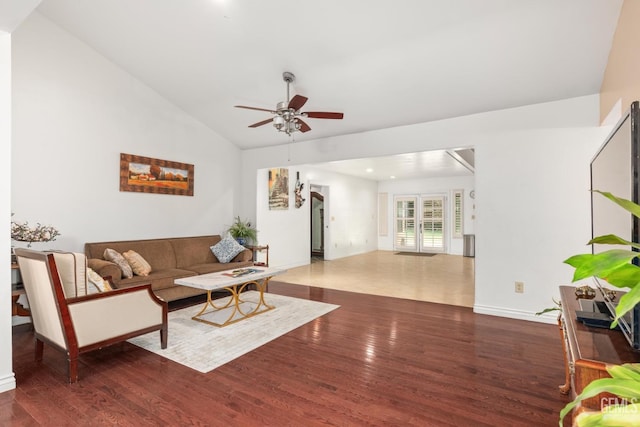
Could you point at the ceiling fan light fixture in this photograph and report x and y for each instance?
(278, 122)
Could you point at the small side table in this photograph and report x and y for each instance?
(17, 290)
(255, 250)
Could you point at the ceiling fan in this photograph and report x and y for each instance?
(287, 116)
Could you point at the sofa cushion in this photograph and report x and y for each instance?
(117, 258)
(105, 268)
(138, 264)
(159, 279)
(227, 249)
(217, 266)
(194, 250)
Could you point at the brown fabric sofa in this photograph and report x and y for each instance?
(170, 259)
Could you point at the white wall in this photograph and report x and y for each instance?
(533, 212)
(7, 379)
(444, 186)
(74, 112)
(537, 154)
(350, 217)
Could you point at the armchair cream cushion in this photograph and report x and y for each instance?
(76, 277)
(72, 269)
(125, 312)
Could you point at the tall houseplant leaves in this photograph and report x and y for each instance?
(616, 268)
(624, 382)
(600, 265)
(627, 205)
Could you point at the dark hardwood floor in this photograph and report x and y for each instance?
(374, 361)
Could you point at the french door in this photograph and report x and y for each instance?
(419, 223)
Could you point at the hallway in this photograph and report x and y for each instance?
(442, 278)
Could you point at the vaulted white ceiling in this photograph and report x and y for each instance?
(382, 63)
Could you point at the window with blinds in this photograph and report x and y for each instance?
(458, 215)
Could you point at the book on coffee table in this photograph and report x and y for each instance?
(242, 272)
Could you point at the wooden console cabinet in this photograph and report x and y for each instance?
(588, 350)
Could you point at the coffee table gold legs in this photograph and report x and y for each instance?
(235, 302)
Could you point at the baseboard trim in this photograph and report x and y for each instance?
(8, 383)
(293, 265)
(551, 317)
(20, 320)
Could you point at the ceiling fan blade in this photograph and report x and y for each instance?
(297, 102)
(323, 115)
(264, 122)
(254, 108)
(303, 126)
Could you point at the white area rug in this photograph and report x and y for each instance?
(204, 347)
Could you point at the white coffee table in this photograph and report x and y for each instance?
(235, 285)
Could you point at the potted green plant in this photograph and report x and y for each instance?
(616, 268)
(243, 232)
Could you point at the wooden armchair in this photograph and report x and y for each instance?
(80, 324)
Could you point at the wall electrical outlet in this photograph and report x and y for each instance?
(519, 287)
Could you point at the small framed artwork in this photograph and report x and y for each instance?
(278, 189)
(147, 175)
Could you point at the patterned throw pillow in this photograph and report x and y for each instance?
(115, 257)
(139, 265)
(227, 249)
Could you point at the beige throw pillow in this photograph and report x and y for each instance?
(139, 265)
(97, 282)
(115, 257)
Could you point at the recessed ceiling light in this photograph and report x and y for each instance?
(392, 177)
(369, 170)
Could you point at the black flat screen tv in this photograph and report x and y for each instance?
(615, 168)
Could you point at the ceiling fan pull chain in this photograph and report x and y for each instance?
(288, 77)
(288, 99)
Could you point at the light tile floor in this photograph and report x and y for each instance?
(445, 279)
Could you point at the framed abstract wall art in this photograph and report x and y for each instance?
(278, 189)
(148, 175)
